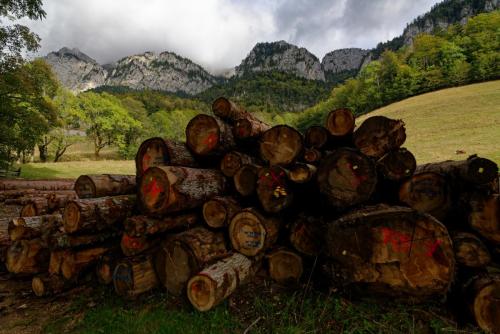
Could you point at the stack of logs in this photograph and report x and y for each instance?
(345, 206)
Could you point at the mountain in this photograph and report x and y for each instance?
(282, 57)
(343, 61)
(76, 70)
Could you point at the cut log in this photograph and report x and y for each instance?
(285, 266)
(379, 135)
(37, 206)
(249, 128)
(75, 262)
(34, 227)
(228, 110)
(13, 194)
(134, 276)
(482, 294)
(397, 165)
(138, 226)
(273, 189)
(317, 137)
(5, 241)
(27, 257)
(63, 240)
(162, 152)
(470, 250)
(217, 282)
(219, 211)
(49, 285)
(101, 185)
(56, 201)
(485, 216)
(208, 136)
(312, 155)
(301, 173)
(245, 180)
(391, 251)
(105, 267)
(97, 213)
(251, 233)
(340, 122)
(171, 189)
(56, 259)
(37, 184)
(306, 235)
(132, 246)
(474, 170)
(427, 192)
(346, 178)
(24, 200)
(184, 254)
(233, 161)
(281, 145)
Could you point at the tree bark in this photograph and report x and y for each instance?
(285, 266)
(219, 211)
(346, 178)
(184, 254)
(379, 135)
(273, 189)
(233, 161)
(36, 184)
(138, 226)
(57, 201)
(171, 189)
(392, 251)
(217, 282)
(27, 257)
(162, 152)
(209, 136)
(251, 233)
(317, 137)
(134, 276)
(281, 145)
(470, 250)
(397, 165)
(340, 122)
(92, 186)
(5, 241)
(245, 179)
(485, 216)
(36, 206)
(63, 240)
(34, 227)
(49, 285)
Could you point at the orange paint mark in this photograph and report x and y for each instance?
(402, 242)
(131, 242)
(211, 140)
(151, 188)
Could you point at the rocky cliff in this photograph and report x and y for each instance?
(342, 60)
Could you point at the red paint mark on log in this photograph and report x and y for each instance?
(403, 243)
(273, 180)
(211, 140)
(151, 188)
(131, 242)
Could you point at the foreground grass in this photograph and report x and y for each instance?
(73, 169)
(440, 123)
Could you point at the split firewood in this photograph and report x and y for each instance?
(252, 233)
(485, 216)
(34, 227)
(273, 189)
(137, 226)
(134, 276)
(171, 189)
(27, 257)
(162, 152)
(219, 211)
(217, 282)
(101, 185)
(379, 135)
(281, 145)
(245, 179)
(285, 266)
(346, 178)
(183, 255)
(470, 251)
(397, 165)
(209, 136)
(340, 122)
(233, 161)
(48, 285)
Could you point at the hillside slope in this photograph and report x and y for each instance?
(438, 124)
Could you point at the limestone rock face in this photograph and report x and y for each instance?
(344, 60)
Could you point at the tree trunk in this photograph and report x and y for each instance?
(27, 257)
(301, 173)
(36, 184)
(49, 285)
(233, 161)
(218, 281)
(138, 226)
(470, 250)
(317, 137)
(285, 266)
(97, 213)
(162, 152)
(37, 206)
(132, 246)
(209, 136)
(251, 233)
(397, 165)
(75, 262)
(184, 254)
(219, 211)
(281, 145)
(134, 276)
(346, 178)
(379, 135)
(307, 235)
(34, 227)
(245, 179)
(427, 192)
(273, 189)
(340, 122)
(171, 189)
(474, 170)
(485, 217)
(57, 201)
(391, 251)
(92, 186)
(482, 294)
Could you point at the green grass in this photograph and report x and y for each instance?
(73, 169)
(440, 123)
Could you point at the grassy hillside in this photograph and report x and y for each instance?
(440, 123)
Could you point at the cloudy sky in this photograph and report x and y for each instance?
(219, 33)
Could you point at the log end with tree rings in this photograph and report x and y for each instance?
(134, 276)
(203, 134)
(306, 235)
(243, 129)
(38, 287)
(427, 192)
(273, 189)
(316, 137)
(301, 173)
(483, 295)
(233, 161)
(29, 210)
(285, 266)
(346, 178)
(484, 217)
(312, 155)
(218, 211)
(481, 170)
(71, 217)
(378, 135)
(470, 251)
(340, 122)
(397, 164)
(85, 187)
(222, 107)
(281, 145)
(154, 190)
(245, 180)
